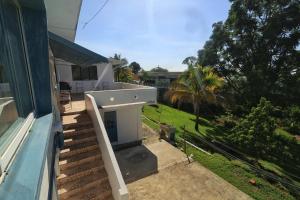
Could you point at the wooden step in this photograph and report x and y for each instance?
(67, 165)
(81, 168)
(107, 195)
(65, 177)
(70, 142)
(66, 153)
(82, 181)
(73, 113)
(81, 156)
(86, 124)
(65, 194)
(75, 118)
(95, 195)
(74, 133)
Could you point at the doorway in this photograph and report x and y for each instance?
(110, 123)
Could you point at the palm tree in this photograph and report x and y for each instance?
(196, 85)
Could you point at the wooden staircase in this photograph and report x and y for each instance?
(82, 172)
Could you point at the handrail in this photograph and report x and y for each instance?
(119, 189)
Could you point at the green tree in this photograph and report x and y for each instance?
(255, 49)
(117, 68)
(125, 74)
(135, 67)
(255, 133)
(197, 85)
(144, 75)
(191, 60)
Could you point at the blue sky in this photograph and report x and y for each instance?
(150, 32)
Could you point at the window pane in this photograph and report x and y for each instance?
(15, 94)
(93, 73)
(76, 74)
(85, 73)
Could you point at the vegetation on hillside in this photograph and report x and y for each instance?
(233, 170)
(197, 85)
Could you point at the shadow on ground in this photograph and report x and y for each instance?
(136, 163)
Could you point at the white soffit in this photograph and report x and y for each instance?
(62, 16)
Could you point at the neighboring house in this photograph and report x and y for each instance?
(160, 79)
(37, 51)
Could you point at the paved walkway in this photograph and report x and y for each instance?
(184, 182)
(174, 179)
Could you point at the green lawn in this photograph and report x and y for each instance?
(233, 171)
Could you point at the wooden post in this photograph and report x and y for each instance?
(185, 144)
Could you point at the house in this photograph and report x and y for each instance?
(160, 79)
(47, 152)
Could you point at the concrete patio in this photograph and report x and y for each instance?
(157, 170)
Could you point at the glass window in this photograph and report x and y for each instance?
(84, 73)
(76, 73)
(93, 73)
(15, 93)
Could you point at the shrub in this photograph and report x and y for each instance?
(292, 120)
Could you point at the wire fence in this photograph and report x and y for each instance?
(223, 151)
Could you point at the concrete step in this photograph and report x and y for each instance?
(70, 176)
(83, 188)
(67, 165)
(69, 142)
(76, 133)
(68, 152)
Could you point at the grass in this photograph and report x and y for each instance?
(233, 171)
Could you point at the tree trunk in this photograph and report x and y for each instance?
(197, 117)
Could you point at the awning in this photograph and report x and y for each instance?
(73, 53)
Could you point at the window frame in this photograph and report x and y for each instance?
(10, 152)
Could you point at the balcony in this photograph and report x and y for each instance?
(118, 94)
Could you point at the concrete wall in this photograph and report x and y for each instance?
(129, 124)
(125, 96)
(119, 189)
(64, 73)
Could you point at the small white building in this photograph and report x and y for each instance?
(120, 104)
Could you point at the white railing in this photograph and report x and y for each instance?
(126, 93)
(119, 189)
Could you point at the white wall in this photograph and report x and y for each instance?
(125, 96)
(119, 189)
(64, 73)
(129, 124)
